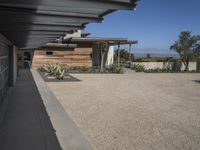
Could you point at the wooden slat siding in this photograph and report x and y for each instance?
(77, 57)
(63, 61)
(66, 57)
(87, 65)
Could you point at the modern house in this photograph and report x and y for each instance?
(30, 24)
(74, 50)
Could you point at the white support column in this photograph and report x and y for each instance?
(130, 59)
(110, 56)
(118, 55)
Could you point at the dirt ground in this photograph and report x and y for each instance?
(134, 111)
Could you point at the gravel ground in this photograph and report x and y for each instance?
(134, 111)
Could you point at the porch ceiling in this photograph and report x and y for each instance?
(31, 23)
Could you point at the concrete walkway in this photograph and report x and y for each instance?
(26, 125)
(35, 120)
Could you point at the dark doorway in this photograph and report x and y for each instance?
(27, 59)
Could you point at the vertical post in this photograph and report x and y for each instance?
(118, 55)
(130, 59)
(11, 67)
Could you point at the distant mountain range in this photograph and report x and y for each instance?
(155, 55)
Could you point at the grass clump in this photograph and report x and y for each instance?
(55, 70)
(115, 69)
(138, 67)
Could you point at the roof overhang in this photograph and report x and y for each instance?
(124, 43)
(31, 23)
(96, 39)
(85, 34)
(59, 45)
(110, 41)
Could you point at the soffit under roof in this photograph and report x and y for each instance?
(32, 23)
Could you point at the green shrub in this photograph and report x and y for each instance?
(176, 66)
(81, 69)
(150, 59)
(85, 69)
(156, 59)
(114, 69)
(138, 67)
(55, 70)
(127, 65)
(157, 70)
(198, 64)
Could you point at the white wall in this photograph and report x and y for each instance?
(161, 65)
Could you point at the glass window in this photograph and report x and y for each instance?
(49, 52)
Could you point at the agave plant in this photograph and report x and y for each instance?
(55, 70)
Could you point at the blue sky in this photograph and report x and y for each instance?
(155, 24)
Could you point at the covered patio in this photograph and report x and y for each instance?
(97, 51)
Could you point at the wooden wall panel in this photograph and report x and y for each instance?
(77, 57)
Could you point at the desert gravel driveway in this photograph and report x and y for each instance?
(134, 111)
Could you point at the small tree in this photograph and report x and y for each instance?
(197, 49)
(103, 46)
(148, 55)
(186, 46)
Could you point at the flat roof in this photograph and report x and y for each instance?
(32, 23)
(111, 41)
(59, 45)
(83, 34)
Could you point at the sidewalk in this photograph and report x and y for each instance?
(26, 125)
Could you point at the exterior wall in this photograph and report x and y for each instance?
(161, 65)
(4, 68)
(96, 56)
(70, 57)
(8, 71)
(86, 54)
(109, 57)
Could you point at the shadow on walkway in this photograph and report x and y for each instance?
(26, 125)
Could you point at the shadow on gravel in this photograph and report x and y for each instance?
(197, 81)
